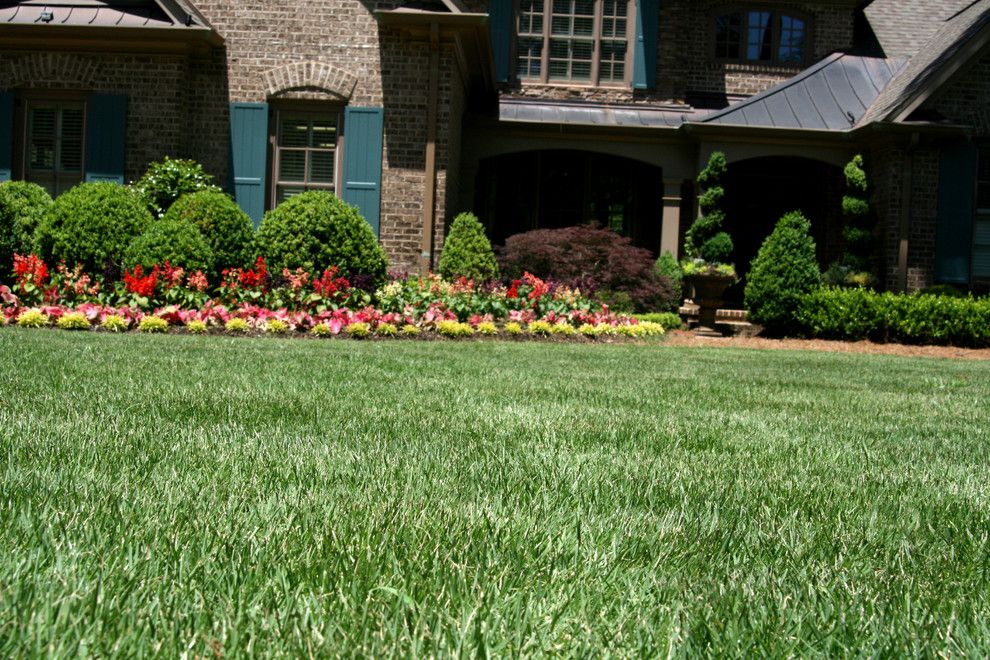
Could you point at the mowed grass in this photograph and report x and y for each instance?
(162, 495)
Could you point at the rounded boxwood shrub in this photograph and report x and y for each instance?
(467, 252)
(180, 243)
(167, 180)
(92, 224)
(22, 205)
(784, 271)
(227, 229)
(315, 230)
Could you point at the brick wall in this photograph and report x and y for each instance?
(966, 100)
(154, 84)
(888, 176)
(686, 63)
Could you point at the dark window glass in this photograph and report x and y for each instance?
(760, 36)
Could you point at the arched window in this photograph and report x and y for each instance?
(761, 36)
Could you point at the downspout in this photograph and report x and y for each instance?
(904, 231)
(430, 174)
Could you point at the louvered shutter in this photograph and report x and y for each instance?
(106, 137)
(249, 156)
(363, 162)
(954, 225)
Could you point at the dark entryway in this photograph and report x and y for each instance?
(561, 188)
(759, 191)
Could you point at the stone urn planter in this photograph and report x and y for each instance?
(708, 294)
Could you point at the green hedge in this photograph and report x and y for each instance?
(315, 230)
(22, 205)
(227, 229)
(178, 242)
(854, 314)
(92, 224)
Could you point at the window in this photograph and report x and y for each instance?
(981, 224)
(581, 41)
(53, 154)
(305, 152)
(761, 36)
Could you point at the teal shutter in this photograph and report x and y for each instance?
(363, 162)
(106, 137)
(645, 49)
(500, 29)
(6, 135)
(249, 156)
(954, 224)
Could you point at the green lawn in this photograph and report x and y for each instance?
(170, 494)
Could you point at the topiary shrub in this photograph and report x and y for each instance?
(180, 243)
(92, 224)
(467, 251)
(855, 267)
(22, 205)
(315, 230)
(593, 259)
(227, 229)
(705, 240)
(783, 272)
(167, 180)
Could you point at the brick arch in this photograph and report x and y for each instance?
(55, 69)
(311, 75)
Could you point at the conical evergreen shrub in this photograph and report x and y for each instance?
(784, 271)
(467, 252)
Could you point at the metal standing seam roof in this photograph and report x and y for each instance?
(832, 95)
(88, 13)
(587, 114)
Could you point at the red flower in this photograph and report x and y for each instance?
(140, 284)
(30, 270)
(513, 291)
(329, 283)
(258, 277)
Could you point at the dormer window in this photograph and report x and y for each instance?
(574, 41)
(761, 36)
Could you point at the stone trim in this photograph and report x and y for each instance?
(69, 70)
(311, 75)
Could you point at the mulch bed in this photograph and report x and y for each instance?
(684, 338)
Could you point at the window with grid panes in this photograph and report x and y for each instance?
(580, 41)
(305, 152)
(761, 36)
(53, 157)
(981, 224)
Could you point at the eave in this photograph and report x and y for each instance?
(112, 39)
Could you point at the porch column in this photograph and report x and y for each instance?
(670, 230)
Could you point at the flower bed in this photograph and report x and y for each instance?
(296, 302)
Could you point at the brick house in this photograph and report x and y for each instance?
(532, 113)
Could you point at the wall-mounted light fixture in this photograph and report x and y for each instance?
(47, 16)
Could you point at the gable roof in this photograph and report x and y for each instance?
(956, 41)
(902, 27)
(832, 95)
